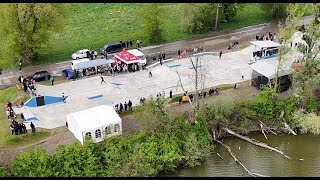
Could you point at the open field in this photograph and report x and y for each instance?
(92, 25)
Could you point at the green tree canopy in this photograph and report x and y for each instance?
(27, 27)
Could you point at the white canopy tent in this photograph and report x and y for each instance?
(97, 123)
(257, 46)
(268, 68)
(86, 63)
(265, 44)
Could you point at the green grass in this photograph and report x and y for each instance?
(251, 14)
(91, 25)
(15, 96)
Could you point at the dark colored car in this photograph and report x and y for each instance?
(68, 73)
(40, 76)
(112, 48)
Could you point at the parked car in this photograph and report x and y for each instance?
(80, 54)
(68, 74)
(112, 48)
(40, 76)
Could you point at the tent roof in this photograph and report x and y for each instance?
(135, 52)
(93, 63)
(126, 57)
(265, 44)
(95, 117)
(268, 68)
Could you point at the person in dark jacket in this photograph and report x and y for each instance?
(163, 56)
(16, 128)
(33, 128)
(125, 106)
(121, 107)
(24, 128)
(20, 128)
(130, 105)
(170, 93)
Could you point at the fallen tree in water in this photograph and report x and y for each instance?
(253, 141)
(235, 158)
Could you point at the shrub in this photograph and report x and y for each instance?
(308, 122)
(264, 105)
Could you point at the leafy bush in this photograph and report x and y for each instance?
(265, 104)
(35, 162)
(308, 122)
(4, 172)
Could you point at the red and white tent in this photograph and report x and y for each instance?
(126, 57)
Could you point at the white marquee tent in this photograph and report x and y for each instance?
(98, 123)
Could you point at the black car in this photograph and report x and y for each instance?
(40, 76)
(112, 48)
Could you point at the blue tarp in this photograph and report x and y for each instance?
(47, 100)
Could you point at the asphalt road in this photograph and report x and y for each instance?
(210, 42)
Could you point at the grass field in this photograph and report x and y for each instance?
(91, 25)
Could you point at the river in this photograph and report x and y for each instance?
(260, 160)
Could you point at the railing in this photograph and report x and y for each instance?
(193, 55)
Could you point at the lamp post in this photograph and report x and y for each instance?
(217, 16)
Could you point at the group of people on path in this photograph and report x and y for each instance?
(120, 107)
(28, 85)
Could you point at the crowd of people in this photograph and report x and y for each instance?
(28, 85)
(266, 52)
(16, 127)
(186, 97)
(270, 37)
(119, 108)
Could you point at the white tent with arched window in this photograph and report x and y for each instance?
(97, 123)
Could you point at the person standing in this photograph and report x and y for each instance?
(24, 128)
(138, 43)
(52, 80)
(130, 42)
(242, 76)
(220, 54)
(102, 79)
(95, 54)
(22, 117)
(163, 56)
(150, 73)
(20, 65)
(33, 128)
(12, 128)
(1, 71)
(125, 106)
(130, 105)
(121, 107)
(170, 93)
(179, 52)
(8, 114)
(63, 98)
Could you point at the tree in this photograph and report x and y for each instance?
(230, 10)
(151, 16)
(286, 31)
(198, 17)
(27, 27)
(306, 80)
(275, 10)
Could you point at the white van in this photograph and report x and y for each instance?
(139, 54)
(80, 54)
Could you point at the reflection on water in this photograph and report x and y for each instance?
(261, 160)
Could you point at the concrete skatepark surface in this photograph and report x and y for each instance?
(89, 92)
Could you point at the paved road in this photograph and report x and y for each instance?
(210, 42)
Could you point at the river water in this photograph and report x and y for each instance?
(303, 149)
